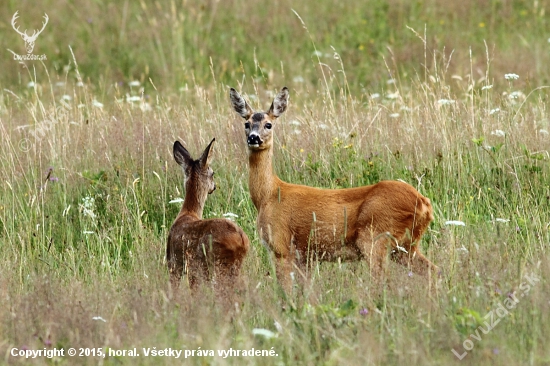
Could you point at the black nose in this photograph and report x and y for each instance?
(254, 140)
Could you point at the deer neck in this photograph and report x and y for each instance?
(262, 180)
(192, 206)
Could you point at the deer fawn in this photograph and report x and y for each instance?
(212, 249)
(300, 223)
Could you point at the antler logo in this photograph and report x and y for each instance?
(29, 40)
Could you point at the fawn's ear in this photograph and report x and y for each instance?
(182, 156)
(240, 105)
(279, 103)
(206, 155)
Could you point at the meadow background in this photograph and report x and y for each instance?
(397, 89)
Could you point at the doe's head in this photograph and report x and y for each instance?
(199, 176)
(258, 125)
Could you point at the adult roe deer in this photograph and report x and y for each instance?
(299, 223)
(212, 249)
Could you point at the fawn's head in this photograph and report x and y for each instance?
(199, 177)
(258, 125)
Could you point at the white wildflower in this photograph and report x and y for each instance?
(390, 81)
(97, 104)
(87, 232)
(317, 53)
(134, 83)
(66, 97)
(298, 79)
(80, 84)
(99, 318)
(31, 84)
(495, 110)
(511, 76)
(501, 220)
(445, 101)
(394, 115)
(455, 223)
(487, 87)
(516, 95)
(133, 98)
(230, 214)
(145, 107)
(375, 96)
(498, 133)
(322, 126)
(264, 332)
(392, 95)
(295, 122)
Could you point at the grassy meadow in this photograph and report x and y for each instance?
(449, 97)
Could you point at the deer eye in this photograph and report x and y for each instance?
(247, 125)
(268, 126)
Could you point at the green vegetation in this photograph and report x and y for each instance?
(379, 90)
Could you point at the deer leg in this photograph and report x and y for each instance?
(283, 268)
(373, 247)
(415, 260)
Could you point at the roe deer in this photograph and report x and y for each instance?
(300, 223)
(212, 249)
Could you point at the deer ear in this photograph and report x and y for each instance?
(206, 155)
(182, 156)
(240, 105)
(279, 103)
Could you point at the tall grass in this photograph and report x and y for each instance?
(88, 176)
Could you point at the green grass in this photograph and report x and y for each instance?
(89, 241)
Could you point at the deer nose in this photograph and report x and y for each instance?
(254, 139)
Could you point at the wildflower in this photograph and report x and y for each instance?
(498, 133)
(445, 101)
(298, 79)
(97, 104)
(66, 97)
(134, 83)
(487, 87)
(375, 96)
(394, 115)
(501, 220)
(392, 95)
(317, 53)
(493, 111)
(133, 98)
(410, 274)
(230, 215)
(31, 84)
(264, 332)
(455, 223)
(80, 84)
(511, 76)
(322, 126)
(364, 311)
(295, 122)
(390, 81)
(99, 318)
(87, 232)
(515, 95)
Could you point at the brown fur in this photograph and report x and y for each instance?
(211, 250)
(300, 223)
